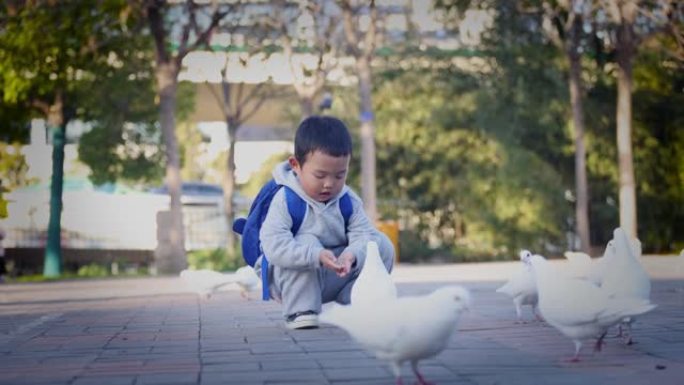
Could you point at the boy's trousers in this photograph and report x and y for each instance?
(307, 289)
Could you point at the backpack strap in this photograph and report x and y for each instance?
(297, 209)
(346, 208)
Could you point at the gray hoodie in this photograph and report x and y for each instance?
(322, 220)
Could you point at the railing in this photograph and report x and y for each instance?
(205, 228)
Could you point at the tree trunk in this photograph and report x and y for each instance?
(53, 249)
(368, 192)
(581, 185)
(173, 259)
(229, 186)
(625, 54)
(307, 105)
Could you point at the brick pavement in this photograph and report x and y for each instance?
(152, 331)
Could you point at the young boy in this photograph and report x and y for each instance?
(322, 261)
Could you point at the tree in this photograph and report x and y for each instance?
(316, 35)
(238, 100)
(469, 191)
(361, 44)
(190, 32)
(123, 142)
(563, 23)
(238, 103)
(630, 23)
(47, 49)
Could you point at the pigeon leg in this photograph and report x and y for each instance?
(518, 311)
(599, 342)
(396, 370)
(619, 332)
(578, 346)
(535, 310)
(421, 379)
(628, 339)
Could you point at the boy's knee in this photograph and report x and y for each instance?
(386, 248)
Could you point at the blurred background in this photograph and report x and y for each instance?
(133, 133)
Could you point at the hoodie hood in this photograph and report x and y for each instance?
(284, 175)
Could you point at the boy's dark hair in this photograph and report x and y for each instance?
(323, 133)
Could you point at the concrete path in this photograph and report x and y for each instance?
(152, 331)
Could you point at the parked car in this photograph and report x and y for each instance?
(204, 194)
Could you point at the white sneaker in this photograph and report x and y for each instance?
(302, 320)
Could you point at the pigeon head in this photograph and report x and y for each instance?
(457, 296)
(538, 262)
(610, 249)
(525, 256)
(622, 243)
(372, 248)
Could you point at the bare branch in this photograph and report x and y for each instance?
(203, 38)
(349, 27)
(369, 42)
(156, 18)
(217, 97)
(42, 106)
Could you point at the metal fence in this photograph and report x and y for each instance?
(205, 228)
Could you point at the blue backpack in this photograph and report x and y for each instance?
(249, 227)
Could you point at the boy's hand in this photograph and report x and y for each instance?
(329, 261)
(345, 260)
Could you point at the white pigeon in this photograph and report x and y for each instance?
(594, 269)
(581, 265)
(374, 282)
(247, 280)
(624, 276)
(521, 286)
(578, 308)
(403, 329)
(206, 282)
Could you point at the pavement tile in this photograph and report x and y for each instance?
(231, 367)
(109, 380)
(168, 379)
(149, 331)
(359, 373)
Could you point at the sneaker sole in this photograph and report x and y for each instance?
(308, 321)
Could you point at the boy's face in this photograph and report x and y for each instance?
(322, 176)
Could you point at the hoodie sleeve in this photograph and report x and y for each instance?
(279, 244)
(360, 231)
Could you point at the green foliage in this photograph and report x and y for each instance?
(125, 141)
(259, 178)
(658, 142)
(93, 270)
(190, 148)
(214, 259)
(89, 271)
(13, 167)
(413, 249)
(453, 184)
(47, 48)
(14, 121)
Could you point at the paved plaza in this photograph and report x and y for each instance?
(153, 331)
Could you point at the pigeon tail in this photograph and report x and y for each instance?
(619, 308)
(336, 315)
(505, 289)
